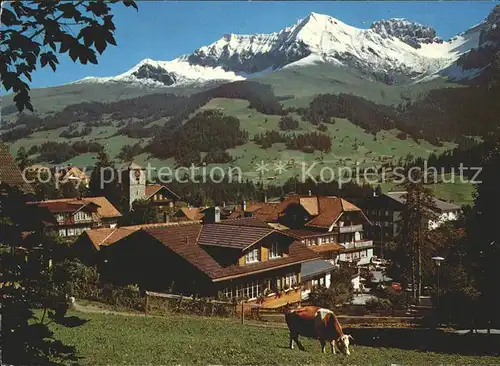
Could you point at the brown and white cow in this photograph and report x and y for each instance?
(318, 323)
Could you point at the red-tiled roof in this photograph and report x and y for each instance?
(57, 206)
(105, 209)
(183, 240)
(239, 237)
(10, 173)
(152, 189)
(192, 213)
(107, 236)
(245, 221)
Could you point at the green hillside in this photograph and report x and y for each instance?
(305, 82)
(190, 340)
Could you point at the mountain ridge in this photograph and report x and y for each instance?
(395, 50)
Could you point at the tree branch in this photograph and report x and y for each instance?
(56, 19)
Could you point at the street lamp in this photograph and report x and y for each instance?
(437, 261)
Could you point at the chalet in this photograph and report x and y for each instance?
(71, 217)
(330, 226)
(385, 211)
(234, 258)
(90, 242)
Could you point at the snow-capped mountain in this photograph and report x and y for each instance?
(409, 32)
(390, 50)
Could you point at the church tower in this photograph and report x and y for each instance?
(134, 182)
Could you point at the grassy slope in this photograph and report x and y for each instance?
(344, 137)
(344, 152)
(305, 82)
(302, 83)
(114, 339)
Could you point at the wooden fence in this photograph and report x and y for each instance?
(162, 304)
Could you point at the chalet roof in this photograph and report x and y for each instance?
(58, 207)
(192, 213)
(152, 189)
(105, 208)
(237, 210)
(324, 210)
(232, 236)
(184, 241)
(107, 236)
(245, 221)
(441, 205)
(10, 173)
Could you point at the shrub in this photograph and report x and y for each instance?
(287, 123)
(378, 304)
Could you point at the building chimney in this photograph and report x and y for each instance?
(310, 193)
(216, 214)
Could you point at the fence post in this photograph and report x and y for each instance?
(242, 313)
(146, 304)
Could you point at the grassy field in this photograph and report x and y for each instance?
(305, 82)
(136, 340)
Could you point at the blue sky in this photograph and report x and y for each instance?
(165, 30)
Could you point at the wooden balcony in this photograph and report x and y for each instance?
(358, 244)
(350, 228)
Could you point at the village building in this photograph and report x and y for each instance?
(69, 217)
(330, 226)
(385, 212)
(135, 187)
(232, 258)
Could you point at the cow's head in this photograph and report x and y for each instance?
(343, 343)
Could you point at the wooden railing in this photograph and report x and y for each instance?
(350, 228)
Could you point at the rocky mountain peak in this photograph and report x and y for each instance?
(412, 33)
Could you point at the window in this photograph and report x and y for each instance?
(228, 292)
(251, 290)
(62, 232)
(287, 282)
(252, 256)
(274, 252)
